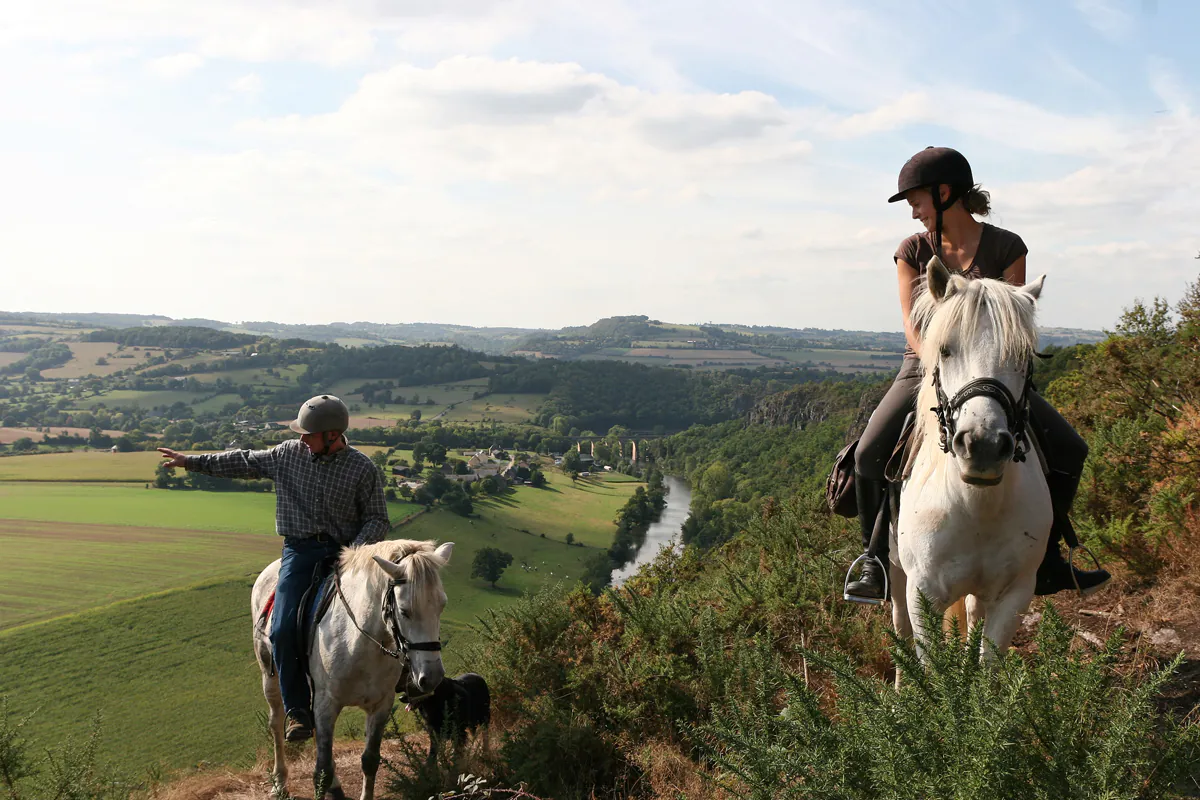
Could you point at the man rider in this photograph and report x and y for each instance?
(328, 496)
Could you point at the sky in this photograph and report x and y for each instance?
(541, 163)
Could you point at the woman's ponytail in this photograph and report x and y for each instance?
(977, 201)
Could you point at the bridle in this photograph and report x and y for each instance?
(1016, 410)
(391, 620)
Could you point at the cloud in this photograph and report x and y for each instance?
(512, 121)
(1106, 17)
(249, 85)
(175, 66)
(537, 160)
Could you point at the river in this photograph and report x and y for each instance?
(664, 533)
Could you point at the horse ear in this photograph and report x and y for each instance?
(390, 567)
(937, 278)
(1034, 289)
(444, 551)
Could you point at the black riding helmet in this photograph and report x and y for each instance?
(930, 169)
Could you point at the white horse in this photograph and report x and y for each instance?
(384, 622)
(975, 513)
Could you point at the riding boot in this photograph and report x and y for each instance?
(870, 494)
(1055, 574)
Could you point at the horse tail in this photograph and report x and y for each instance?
(959, 610)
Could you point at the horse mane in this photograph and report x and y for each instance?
(420, 562)
(957, 318)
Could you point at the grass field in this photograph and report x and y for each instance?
(10, 435)
(499, 407)
(843, 360)
(126, 398)
(93, 465)
(85, 355)
(172, 675)
(105, 563)
(173, 672)
(130, 504)
(257, 377)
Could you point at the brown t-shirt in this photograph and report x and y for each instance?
(997, 251)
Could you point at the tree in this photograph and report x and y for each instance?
(570, 538)
(379, 459)
(162, 477)
(436, 453)
(423, 497)
(415, 416)
(489, 564)
(23, 444)
(458, 501)
(537, 479)
(436, 483)
(571, 461)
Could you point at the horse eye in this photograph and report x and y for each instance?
(946, 352)
(404, 613)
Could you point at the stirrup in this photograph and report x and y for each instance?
(867, 601)
(1071, 568)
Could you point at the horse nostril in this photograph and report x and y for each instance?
(1006, 446)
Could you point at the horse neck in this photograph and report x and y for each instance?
(364, 599)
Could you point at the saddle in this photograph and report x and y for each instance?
(314, 603)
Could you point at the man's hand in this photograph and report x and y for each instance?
(175, 459)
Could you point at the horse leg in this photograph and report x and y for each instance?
(376, 722)
(279, 772)
(913, 598)
(325, 778)
(901, 621)
(959, 611)
(1002, 617)
(976, 610)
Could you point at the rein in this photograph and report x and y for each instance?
(1016, 410)
(388, 610)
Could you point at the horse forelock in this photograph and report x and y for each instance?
(419, 560)
(956, 321)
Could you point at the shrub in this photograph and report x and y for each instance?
(1057, 724)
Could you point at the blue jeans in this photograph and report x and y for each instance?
(300, 559)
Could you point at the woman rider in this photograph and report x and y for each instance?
(938, 185)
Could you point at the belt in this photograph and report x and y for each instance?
(322, 538)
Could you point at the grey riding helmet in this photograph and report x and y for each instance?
(320, 414)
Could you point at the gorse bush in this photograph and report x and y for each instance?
(70, 771)
(649, 661)
(1136, 398)
(1061, 723)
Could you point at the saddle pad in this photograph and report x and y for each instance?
(316, 601)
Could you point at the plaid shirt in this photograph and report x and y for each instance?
(340, 494)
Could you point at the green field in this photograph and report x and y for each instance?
(498, 407)
(173, 672)
(842, 360)
(127, 398)
(126, 504)
(94, 465)
(258, 377)
(104, 563)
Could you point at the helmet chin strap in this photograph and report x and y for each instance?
(940, 207)
(325, 450)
